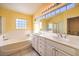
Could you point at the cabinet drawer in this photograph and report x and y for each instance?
(61, 53)
(62, 47)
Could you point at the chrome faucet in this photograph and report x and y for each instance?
(59, 35)
(62, 35)
(4, 38)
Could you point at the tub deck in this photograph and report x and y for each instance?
(8, 47)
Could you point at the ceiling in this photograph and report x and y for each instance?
(26, 8)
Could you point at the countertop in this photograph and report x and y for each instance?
(72, 41)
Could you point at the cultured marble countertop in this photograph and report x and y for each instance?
(72, 41)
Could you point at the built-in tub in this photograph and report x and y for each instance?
(15, 43)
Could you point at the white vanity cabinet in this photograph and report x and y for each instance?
(57, 49)
(38, 43)
(41, 46)
(35, 42)
(52, 50)
(49, 47)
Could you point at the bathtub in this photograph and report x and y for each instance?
(17, 41)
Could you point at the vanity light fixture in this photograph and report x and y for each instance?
(57, 11)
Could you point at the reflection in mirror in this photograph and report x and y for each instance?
(55, 28)
(67, 26)
(0, 25)
(50, 27)
(58, 27)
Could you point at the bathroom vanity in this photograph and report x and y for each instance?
(47, 44)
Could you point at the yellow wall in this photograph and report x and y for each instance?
(10, 18)
(44, 24)
(39, 12)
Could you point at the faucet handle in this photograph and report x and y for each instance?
(4, 37)
(65, 35)
(59, 35)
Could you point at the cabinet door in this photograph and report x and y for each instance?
(50, 51)
(61, 53)
(41, 50)
(35, 42)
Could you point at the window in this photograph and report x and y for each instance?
(21, 24)
(43, 16)
(71, 5)
(50, 26)
(48, 14)
(58, 11)
(53, 13)
(37, 26)
(64, 8)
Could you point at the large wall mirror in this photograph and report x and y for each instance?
(52, 27)
(58, 27)
(0, 25)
